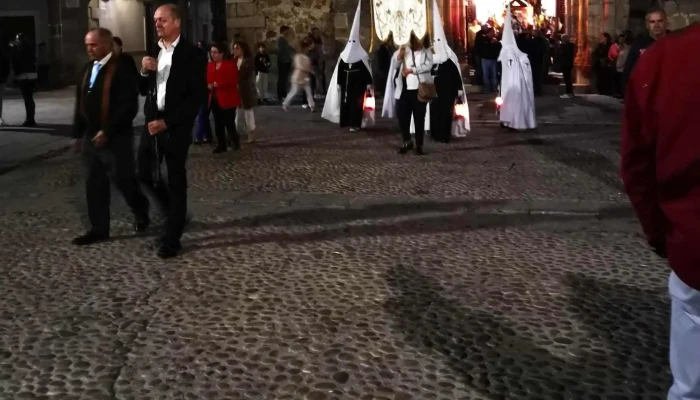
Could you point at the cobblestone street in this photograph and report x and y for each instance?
(322, 265)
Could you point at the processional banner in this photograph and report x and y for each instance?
(400, 18)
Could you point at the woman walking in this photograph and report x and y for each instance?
(301, 76)
(222, 80)
(245, 116)
(412, 67)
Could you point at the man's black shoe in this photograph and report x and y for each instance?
(141, 224)
(90, 238)
(408, 146)
(169, 250)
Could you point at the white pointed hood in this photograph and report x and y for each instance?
(442, 51)
(353, 51)
(508, 35)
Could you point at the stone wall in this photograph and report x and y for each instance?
(682, 13)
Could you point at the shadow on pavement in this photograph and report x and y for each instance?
(504, 359)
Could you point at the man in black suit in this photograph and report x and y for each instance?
(118, 50)
(175, 85)
(105, 106)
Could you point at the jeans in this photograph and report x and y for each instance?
(490, 69)
(568, 81)
(684, 351)
(261, 85)
(295, 90)
(26, 86)
(203, 130)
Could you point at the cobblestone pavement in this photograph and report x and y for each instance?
(321, 265)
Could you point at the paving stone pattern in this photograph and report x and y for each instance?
(320, 265)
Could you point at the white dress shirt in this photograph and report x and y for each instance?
(165, 63)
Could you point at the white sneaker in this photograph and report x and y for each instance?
(285, 108)
(565, 96)
(305, 106)
(353, 129)
(2, 123)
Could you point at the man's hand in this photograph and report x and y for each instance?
(149, 64)
(156, 127)
(100, 139)
(210, 86)
(77, 145)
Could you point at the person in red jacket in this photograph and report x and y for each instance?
(661, 172)
(222, 80)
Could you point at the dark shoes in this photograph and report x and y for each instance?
(90, 238)
(408, 146)
(218, 150)
(141, 224)
(166, 250)
(29, 124)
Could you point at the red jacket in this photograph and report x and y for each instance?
(226, 78)
(661, 148)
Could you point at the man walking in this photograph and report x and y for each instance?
(285, 55)
(661, 171)
(174, 83)
(105, 106)
(567, 54)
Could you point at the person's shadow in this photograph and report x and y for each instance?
(614, 336)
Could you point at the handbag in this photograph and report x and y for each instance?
(426, 90)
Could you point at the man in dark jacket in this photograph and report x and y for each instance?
(657, 27)
(174, 81)
(285, 56)
(106, 103)
(118, 50)
(661, 172)
(489, 48)
(567, 54)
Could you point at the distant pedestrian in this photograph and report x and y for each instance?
(245, 115)
(318, 63)
(262, 72)
(127, 59)
(285, 56)
(202, 125)
(657, 23)
(224, 98)
(301, 78)
(567, 54)
(24, 67)
(489, 48)
(660, 168)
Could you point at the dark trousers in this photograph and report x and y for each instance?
(26, 86)
(224, 120)
(409, 105)
(203, 130)
(114, 162)
(171, 146)
(568, 79)
(283, 71)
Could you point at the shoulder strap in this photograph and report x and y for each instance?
(413, 55)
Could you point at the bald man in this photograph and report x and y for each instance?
(174, 81)
(105, 106)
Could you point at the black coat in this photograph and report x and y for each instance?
(4, 64)
(23, 59)
(186, 90)
(123, 101)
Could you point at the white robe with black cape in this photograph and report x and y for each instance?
(344, 103)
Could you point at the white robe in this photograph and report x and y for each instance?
(518, 109)
(331, 107)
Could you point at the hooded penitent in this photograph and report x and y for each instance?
(351, 77)
(518, 109)
(447, 77)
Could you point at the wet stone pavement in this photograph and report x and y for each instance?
(321, 265)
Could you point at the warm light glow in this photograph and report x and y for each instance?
(462, 110)
(499, 101)
(400, 18)
(369, 103)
